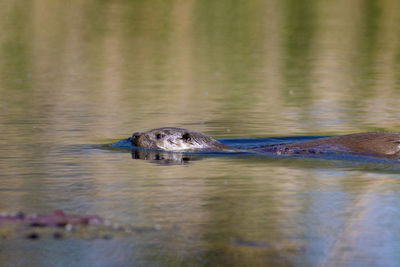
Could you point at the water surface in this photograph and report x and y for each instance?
(77, 75)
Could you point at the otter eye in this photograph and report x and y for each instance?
(186, 137)
(158, 136)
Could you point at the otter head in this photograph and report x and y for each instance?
(176, 139)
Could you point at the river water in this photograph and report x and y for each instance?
(76, 75)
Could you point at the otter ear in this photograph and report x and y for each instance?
(186, 137)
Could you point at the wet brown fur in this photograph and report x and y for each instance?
(381, 143)
(173, 136)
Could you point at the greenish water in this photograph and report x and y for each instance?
(78, 74)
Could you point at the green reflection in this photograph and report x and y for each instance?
(74, 73)
(15, 45)
(300, 24)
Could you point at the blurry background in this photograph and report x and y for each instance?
(257, 68)
(80, 73)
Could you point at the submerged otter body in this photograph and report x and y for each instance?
(380, 143)
(178, 139)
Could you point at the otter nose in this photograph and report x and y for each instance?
(135, 136)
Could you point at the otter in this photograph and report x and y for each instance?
(178, 139)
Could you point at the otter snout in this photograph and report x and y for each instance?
(135, 137)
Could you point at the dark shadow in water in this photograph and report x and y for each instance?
(164, 158)
(177, 158)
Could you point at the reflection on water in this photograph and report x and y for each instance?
(75, 75)
(163, 158)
